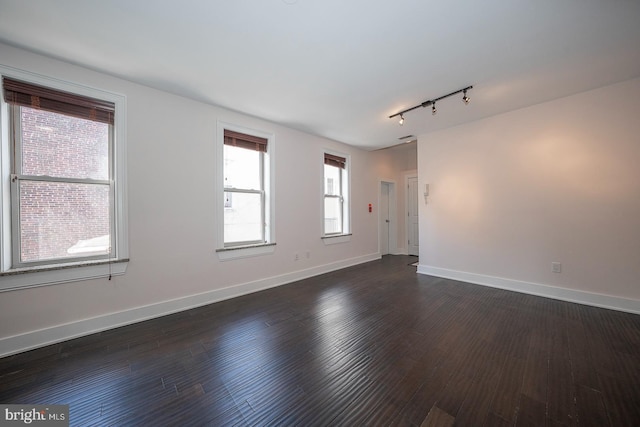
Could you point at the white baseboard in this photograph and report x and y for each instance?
(564, 294)
(34, 339)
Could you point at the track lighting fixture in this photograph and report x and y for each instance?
(432, 102)
(465, 98)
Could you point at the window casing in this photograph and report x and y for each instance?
(63, 181)
(246, 164)
(336, 191)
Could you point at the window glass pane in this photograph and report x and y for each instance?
(62, 220)
(332, 215)
(332, 180)
(241, 168)
(243, 217)
(63, 146)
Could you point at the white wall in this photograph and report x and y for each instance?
(172, 217)
(559, 181)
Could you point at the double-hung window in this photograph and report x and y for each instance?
(336, 206)
(245, 189)
(63, 197)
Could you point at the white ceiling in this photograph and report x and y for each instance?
(339, 68)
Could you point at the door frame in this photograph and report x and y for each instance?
(408, 175)
(393, 216)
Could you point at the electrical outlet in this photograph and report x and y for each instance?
(296, 256)
(556, 267)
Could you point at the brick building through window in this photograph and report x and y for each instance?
(61, 219)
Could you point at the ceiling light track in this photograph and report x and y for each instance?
(432, 102)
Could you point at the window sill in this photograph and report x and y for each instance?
(21, 278)
(236, 252)
(335, 239)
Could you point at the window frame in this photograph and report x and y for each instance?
(17, 176)
(345, 187)
(261, 192)
(335, 195)
(16, 275)
(246, 248)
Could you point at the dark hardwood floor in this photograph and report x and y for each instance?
(375, 344)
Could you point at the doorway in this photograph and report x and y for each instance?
(413, 236)
(387, 218)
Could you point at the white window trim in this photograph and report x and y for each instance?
(42, 275)
(240, 251)
(345, 236)
(334, 239)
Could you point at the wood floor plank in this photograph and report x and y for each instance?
(438, 418)
(560, 392)
(531, 412)
(621, 399)
(536, 372)
(373, 344)
(459, 386)
(494, 420)
(476, 405)
(507, 392)
(590, 409)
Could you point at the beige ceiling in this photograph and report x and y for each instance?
(339, 68)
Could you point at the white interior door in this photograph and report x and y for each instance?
(412, 215)
(384, 218)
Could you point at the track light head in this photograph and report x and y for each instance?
(465, 98)
(433, 109)
(401, 121)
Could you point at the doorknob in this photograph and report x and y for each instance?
(386, 220)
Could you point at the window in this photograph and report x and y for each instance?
(336, 206)
(66, 202)
(247, 210)
(243, 189)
